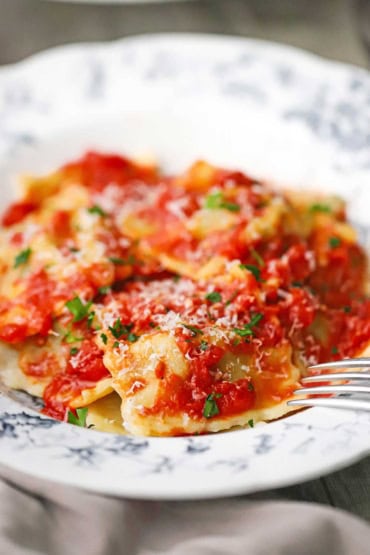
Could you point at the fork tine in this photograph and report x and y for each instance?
(332, 402)
(346, 363)
(337, 376)
(332, 389)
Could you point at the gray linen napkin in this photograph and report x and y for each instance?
(39, 518)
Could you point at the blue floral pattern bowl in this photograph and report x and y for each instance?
(273, 111)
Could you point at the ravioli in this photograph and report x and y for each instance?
(105, 414)
(171, 346)
(172, 305)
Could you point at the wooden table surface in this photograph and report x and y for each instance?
(336, 29)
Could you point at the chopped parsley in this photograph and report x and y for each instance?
(22, 257)
(104, 290)
(248, 328)
(318, 207)
(334, 350)
(73, 351)
(78, 308)
(90, 319)
(347, 309)
(203, 345)
(334, 242)
(232, 298)
(70, 338)
(118, 329)
(217, 200)
(104, 338)
(130, 260)
(117, 260)
(214, 297)
(253, 269)
(251, 423)
(210, 408)
(115, 344)
(176, 278)
(78, 419)
(194, 330)
(250, 386)
(231, 206)
(132, 337)
(258, 258)
(74, 249)
(96, 210)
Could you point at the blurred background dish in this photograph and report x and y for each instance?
(337, 29)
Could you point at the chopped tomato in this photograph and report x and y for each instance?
(96, 171)
(16, 213)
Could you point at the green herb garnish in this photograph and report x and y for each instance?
(22, 257)
(70, 338)
(132, 337)
(232, 298)
(214, 297)
(117, 261)
(118, 330)
(104, 338)
(253, 269)
(73, 351)
(203, 345)
(258, 258)
(97, 210)
(210, 408)
(347, 309)
(104, 290)
(116, 344)
(231, 206)
(334, 242)
(297, 284)
(318, 207)
(250, 386)
(248, 328)
(78, 419)
(193, 329)
(334, 350)
(251, 423)
(130, 260)
(78, 308)
(90, 319)
(217, 200)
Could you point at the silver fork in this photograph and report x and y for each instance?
(344, 396)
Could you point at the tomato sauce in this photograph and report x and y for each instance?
(189, 396)
(96, 171)
(32, 310)
(16, 213)
(304, 292)
(60, 226)
(83, 371)
(43, 366)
